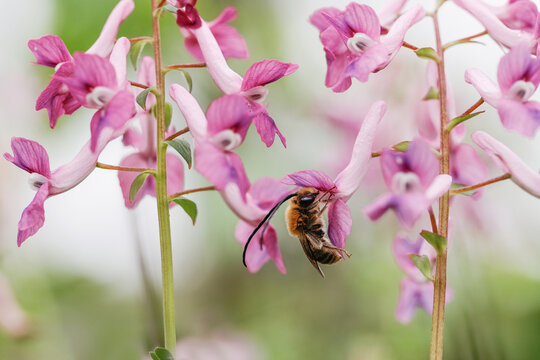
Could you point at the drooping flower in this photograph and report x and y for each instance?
(145, 143)
(353, 43)
(509, 162)
(13, 319)
(347, 181)
(512, 24)
(101, 84)
(32, 158)
(414, 182)
(518, 77)
(251, 86)
(51, 51)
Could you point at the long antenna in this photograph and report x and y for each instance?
(266, 218)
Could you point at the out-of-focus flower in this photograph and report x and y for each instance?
(251, 86)
(101, 84)
(51, 51)
(509, 162)
(145, 142)
(414, 181)
(33, 158)
(518, 76)
(511, 24)
(353, 43)
(347, 181)
(13, 319)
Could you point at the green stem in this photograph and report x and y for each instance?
(161, 193)
(439, 295)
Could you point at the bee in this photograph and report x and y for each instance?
(304, 218)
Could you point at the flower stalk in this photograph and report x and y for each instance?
(123, 168)
(480, 185)
(161, 191)
(185, 192)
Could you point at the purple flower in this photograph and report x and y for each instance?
(518, 76)
(512, 24)
(347, 181)
(353, 44)
(251, 86)
(32, 158)
(145, 143)
(231, 43)
(414, 181)
(101, 84)
(509, 162)
(51, 51)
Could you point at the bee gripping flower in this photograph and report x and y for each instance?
(347, 181)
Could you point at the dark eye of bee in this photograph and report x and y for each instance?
(307, 200)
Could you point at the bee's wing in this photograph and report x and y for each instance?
(308, 244)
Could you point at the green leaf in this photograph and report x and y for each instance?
(423, 264)
(136, 51)
(141, 98)
(402, 146)
(137, 184)
(458, 120)
(457, 42)
(170, 8)
(432, 94)
(428, 53)
(459, 186)
(189, 207)
(187, 77)
(435, 240)
(161, 354)
(183, 148)
(168, 113)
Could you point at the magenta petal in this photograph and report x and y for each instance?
(349, 179)
(175, 174)
(523, 118)
(412, 295)
(268, 191)
(265, 72)
(394, 39)
(231, 43)
(422, 161)
(402, 247)
(362, 19)
(485, 87)
(371, 60)
(390, 12)
(190, 108)
(243, 205)
(339, 222)
(107, 37)
(466, 167)
(267, 129)
(29, 156)
(257, 256)
(118, 60)
(320, 17)
(49, 50)
(126, 178)
(230, 112)
(513, 66)
(220, 168)
(379, 206)
(33, 216)
(118, 111)
(310, 178)
(509, 162)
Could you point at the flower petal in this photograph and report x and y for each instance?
(466, 167)
(310, 178)
(232, 112)
(390, 12)
(29, 156)
(126, 178)
(265, 72)
(266, 192)
(118, 60)
(105, 41)
(320, 17)
(411, 296)
(402, 247)
(509, 162)
(513, 66)
(394, 39)
(438, 187)
(349, 179)
(33, 216)
(267, 129)
(485, 87)
(242, 204)
(190, 108)
(49, 50)
(339, 222)
(362, 19)
(523, 118)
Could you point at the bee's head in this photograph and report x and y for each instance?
(306, 196)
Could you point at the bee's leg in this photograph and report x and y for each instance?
(330, 246)
(330, 196)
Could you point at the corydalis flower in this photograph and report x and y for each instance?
(509, 162)
(347, 181)
(353, 43)
(145, 143)
(251, 86)
(414, 181)
(512, 24)
(518, 76)
(33, 158)
(51, 51)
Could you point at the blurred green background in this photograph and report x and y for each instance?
(85, 300)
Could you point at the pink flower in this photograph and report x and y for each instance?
(512, 24)
(414, 181)
(145, 143)
(347, 181)
(32, 158)
(231, 43)
(101, 84)
(353, 44)
(13, 319)
(509, 162)
(518, 76)
(51, 51)
(252, 86)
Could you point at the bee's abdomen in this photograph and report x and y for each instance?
(326, 256)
